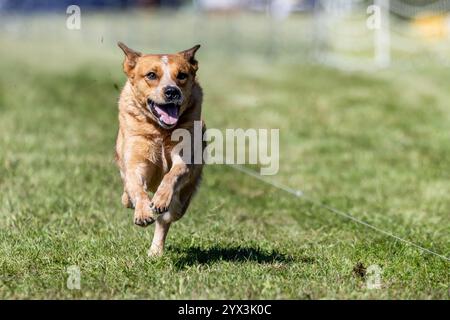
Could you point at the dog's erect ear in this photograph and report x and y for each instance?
(130, 57)
(189, 55)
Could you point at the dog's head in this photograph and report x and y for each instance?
(162, 83)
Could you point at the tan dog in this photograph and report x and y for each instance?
(161, 95)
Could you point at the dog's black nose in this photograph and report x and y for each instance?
(172, 93)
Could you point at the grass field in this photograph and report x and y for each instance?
(375, 145)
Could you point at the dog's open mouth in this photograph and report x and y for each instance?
(167, 113)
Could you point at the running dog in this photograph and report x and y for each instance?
(161, 95)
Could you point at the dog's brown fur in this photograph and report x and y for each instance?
(144, 150)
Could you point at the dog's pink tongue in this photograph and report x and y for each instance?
(169, 115)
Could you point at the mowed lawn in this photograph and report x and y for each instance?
(375, 145)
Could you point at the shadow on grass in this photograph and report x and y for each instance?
(196, 255)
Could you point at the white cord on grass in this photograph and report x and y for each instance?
(300, 194)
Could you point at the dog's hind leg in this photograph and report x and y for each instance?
(178, 207)
(162, 226)
(172, 199)
(126, 201)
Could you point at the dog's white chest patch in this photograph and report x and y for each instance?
(165, 165)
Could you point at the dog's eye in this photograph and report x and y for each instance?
(182, 76)
(151, 76)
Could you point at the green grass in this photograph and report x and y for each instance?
(374, 145)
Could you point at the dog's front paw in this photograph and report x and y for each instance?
(161, 200)
(143, 217)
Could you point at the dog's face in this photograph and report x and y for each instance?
(162, 83)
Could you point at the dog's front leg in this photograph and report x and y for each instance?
(171, 183)
(137, 190)
(136, 172)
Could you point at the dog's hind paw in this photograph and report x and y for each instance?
(155, 252)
